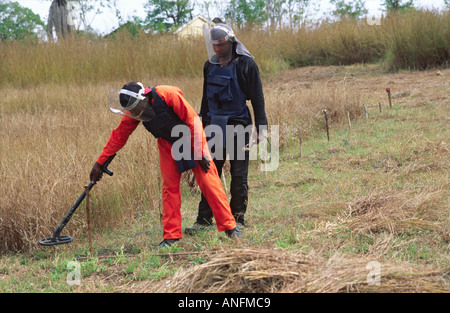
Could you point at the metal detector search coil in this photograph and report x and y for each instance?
(53, 241)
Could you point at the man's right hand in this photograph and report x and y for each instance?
(96, 173)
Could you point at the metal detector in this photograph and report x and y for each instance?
(59, 239)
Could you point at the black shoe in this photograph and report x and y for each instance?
(167, 243)
(196, 228)
(234, 234)
(240, 226)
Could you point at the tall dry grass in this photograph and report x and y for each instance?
(418, 40)
(413, 40)
(82, 61)
(47, 148)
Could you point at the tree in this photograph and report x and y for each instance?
(85, 11)
(296, 10)
(60, 18)
(17, 22)
(167, 15)
(353, 9)
(396, 5)
(275, 10)
(113, 4)
(206, 6)
(270, 13)
(247, 12)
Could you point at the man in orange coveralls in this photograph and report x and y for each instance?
(160, 109)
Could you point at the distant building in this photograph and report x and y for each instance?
(130, 27)
(195, 27)
(192, 28)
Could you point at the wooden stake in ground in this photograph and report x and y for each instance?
(388, 90)
(349, 122)
(326, 124)
(301, 142)
(365, 110)
(88, 215)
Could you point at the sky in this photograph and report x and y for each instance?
(105, 22)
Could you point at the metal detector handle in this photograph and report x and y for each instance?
(105, 166)
(67, 218)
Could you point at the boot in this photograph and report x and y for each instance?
(234, 234)
(167, 243)
(196, 228)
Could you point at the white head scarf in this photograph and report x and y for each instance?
(223, 31)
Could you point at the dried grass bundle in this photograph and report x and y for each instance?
(335, 275)
(241, 270)
(395, 212)
(352, 274)
(424, 282)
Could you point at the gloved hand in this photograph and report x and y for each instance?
(257, 137)
(96, 173)
(204, 164)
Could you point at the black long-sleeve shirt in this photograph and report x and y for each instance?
(250, 82)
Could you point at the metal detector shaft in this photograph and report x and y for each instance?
(67, 218)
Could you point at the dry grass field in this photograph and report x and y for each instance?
(376, 192)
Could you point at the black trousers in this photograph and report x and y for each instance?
(239, 163)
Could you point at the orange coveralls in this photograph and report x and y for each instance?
(209, 183)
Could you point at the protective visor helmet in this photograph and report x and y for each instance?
(131, 101)
(219, 42)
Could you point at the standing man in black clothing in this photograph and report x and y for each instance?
(231, 77)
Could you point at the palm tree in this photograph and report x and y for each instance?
(60, 18)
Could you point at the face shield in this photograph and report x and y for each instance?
(131, 104)
(219, 43)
